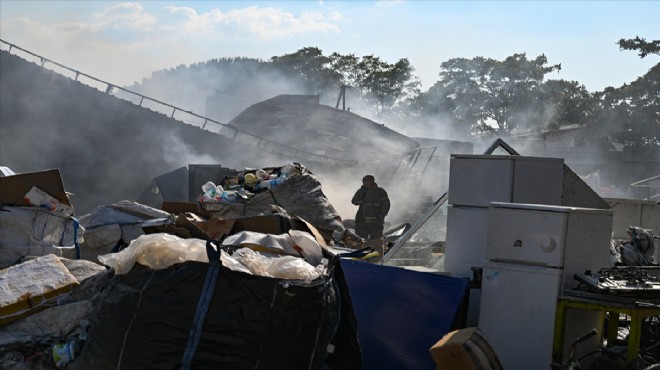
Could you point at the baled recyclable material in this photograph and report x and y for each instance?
(32, 286)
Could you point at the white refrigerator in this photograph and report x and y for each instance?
(532, 253)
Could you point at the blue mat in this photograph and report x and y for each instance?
(401, 313)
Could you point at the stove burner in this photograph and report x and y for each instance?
(632, 276)
(628, 280)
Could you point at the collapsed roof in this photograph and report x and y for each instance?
(300, 121)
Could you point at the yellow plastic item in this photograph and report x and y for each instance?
(250, 179)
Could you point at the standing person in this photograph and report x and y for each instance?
(374, 206)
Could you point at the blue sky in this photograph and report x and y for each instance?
(123, 42)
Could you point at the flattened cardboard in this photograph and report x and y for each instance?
(176, 208)
(216, 227)
(317, 235)
(13, 188)
(272, 224)
(197, 226)
(190, 225)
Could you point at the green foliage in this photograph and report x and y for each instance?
(487, 95)
(631, 113)
(310, 66)
(472, 96)
(378, 83)
(566, 103)
(645, 48)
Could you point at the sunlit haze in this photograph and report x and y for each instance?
(124, 42)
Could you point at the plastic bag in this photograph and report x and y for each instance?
(284, 267)
(282, 243)
(160, 251)
(309, 247)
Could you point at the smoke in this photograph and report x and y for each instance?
(228, 87)
(108, 149)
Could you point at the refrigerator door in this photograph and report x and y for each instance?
(526, 236)
(517, 313)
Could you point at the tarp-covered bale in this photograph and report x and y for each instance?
(300, 194)
(34, 231)
(29, 342)
(109, 224)
(204, 315)
(32, 286)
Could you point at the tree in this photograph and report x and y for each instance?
(347, 66)
(565, 103)
(386, 84)
(492, 96)
(631, 113)
(311, 67)
(381, 84)
(645, 48)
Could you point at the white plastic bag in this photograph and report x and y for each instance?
(282, 243)
(282, 267)
(309, 247)
(160, 251)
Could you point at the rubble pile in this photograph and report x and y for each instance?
(77, 292)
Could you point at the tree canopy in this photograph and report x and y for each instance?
(631, 113)
(472, 95)
(487, 95)
(641, 45)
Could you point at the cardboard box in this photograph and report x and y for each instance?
(214, 228)
(13, 188)
(465, 349)
(40, 198)
(190, 225)
(176, 208)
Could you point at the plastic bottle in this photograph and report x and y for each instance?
(287, 169)
(280, 179)
(208, 186)
(265, 184)
(229, 196)
(63, 353)
(261, 174)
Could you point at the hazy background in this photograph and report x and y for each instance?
(112, 149)
(124, 42)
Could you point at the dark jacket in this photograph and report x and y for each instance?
(374, 205)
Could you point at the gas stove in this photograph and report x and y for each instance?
(624, 280)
